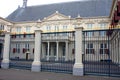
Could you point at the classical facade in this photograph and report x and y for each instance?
(58, 24)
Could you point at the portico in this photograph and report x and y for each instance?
(55, 50)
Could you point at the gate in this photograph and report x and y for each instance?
(57, 52)
(102, 52)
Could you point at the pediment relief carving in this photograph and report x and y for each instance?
(56, 16)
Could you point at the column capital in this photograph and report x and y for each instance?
(6, 32)
(79, 28)
(48, 41)
(38, 31)
(57, 41)
(66, 41)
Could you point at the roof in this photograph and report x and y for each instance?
(90, 8)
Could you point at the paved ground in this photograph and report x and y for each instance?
(12, 74)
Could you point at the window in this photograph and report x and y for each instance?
(48, 28)
(90, 49)
(89, 34)
(64, 27)
(26, 48)
(18, 48)
(28, 29)
(103, 48)
(102, 33)
(56, 28)
(18, 29)
(89, 26)
(1, 27)
(103, 25)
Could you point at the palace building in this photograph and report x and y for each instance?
(64, 35)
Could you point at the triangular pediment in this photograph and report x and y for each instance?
(56, 16)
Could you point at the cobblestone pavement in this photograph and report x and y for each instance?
(12, 74)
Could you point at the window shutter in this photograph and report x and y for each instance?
(101, 51)
(33, 50)
(24, 50)
(14, 50)
(73, 51)
(34, 34)
(106, 51)
(87, 50)
(93, 51)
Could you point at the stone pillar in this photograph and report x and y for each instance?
(78, 66)
(57, 51)
(5, 61)
(36, 65)
(66, 51)
(48, 51)
(119, 47)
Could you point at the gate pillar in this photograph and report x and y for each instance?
(5, 61)
(36, 65)
(78, 66)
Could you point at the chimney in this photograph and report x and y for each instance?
(24, 3)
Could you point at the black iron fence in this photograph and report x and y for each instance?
(57, 52)
(102, 52)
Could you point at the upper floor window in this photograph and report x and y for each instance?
(64, 27)
(89, 49)
(18, 29)
(27, 46)
(103, 25)
(103, 46)
(89, 34)
(89, 26)
(56, 28)
(104, 49)
(1, 27)
(90, 46)
(48, 28)
(28, 29)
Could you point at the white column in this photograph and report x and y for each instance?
(57, 50)
(43, 50)
(78, 66)
(5, 61)
(36, 65)
(48, 50)
(66, 51)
